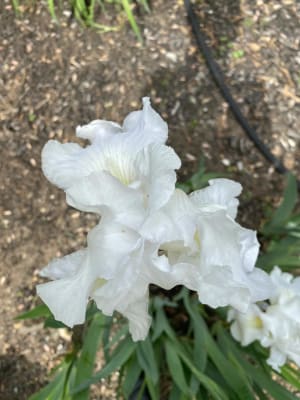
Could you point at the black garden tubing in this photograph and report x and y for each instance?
(220, 81)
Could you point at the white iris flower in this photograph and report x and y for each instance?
(276, 324)
(149, 232)
(247, 327)
(209, 250)
(126, 174)
(127, 169)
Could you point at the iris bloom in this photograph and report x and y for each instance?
(275, 324)
(125, 174)
(204, 246)
(127, 169)
(149, 232)
(247, 327)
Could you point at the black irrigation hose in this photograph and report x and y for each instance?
(220, 81)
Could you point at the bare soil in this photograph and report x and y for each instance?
(54, 77)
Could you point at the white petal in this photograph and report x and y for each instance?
(67, 298)
(290, 306)
(246, 327)
(64, 164)
(112, 246)
(64, 267)
(98, 131)
(277, 359)
(101, 189)
(259, 284)
(156, 164)
(121, 281)
(219, 240)
(172, 223)
(224, 243)
(280, 278)
(146, 181)
(146, 126)
(219, 289)
(59, 162)
(168, 276)
(222, 193)
(249, 248)
(126, 293)
(180, 205)
(137, 314)
(126, 288)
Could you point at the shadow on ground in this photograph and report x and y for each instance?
(19, 378)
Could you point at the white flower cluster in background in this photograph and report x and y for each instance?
(149, 232)
(275, 324)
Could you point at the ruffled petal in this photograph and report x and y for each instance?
(246, 327)
(138, 317)
(127, 293)
(98, 131)
(259, 285)
(64, 267)
(220, 289)
(59, 163)
(156, 166)
(67, 298)
(112, 247)
(249, 246)
(100, 189)
(145, 126)
(167, 276)
(221, 193)
(172, 223)
(163, 162)
(64, 164)
(277, 359)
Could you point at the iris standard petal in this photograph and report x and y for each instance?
(220, 192)
(146, 126)
(98, 131)
(156, 166)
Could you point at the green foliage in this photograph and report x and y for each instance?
(225, 369)
(39, 311)
(57, 388)
(146, 359)
(127, 8)
(86, 359)
(199, 179)
(281, 233)
(281, 218)
(85, 12)
(77, 365)
(51, 8)
(203, 363)
(16, 6)
(238, 54)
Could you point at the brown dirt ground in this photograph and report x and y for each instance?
(54, 77)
